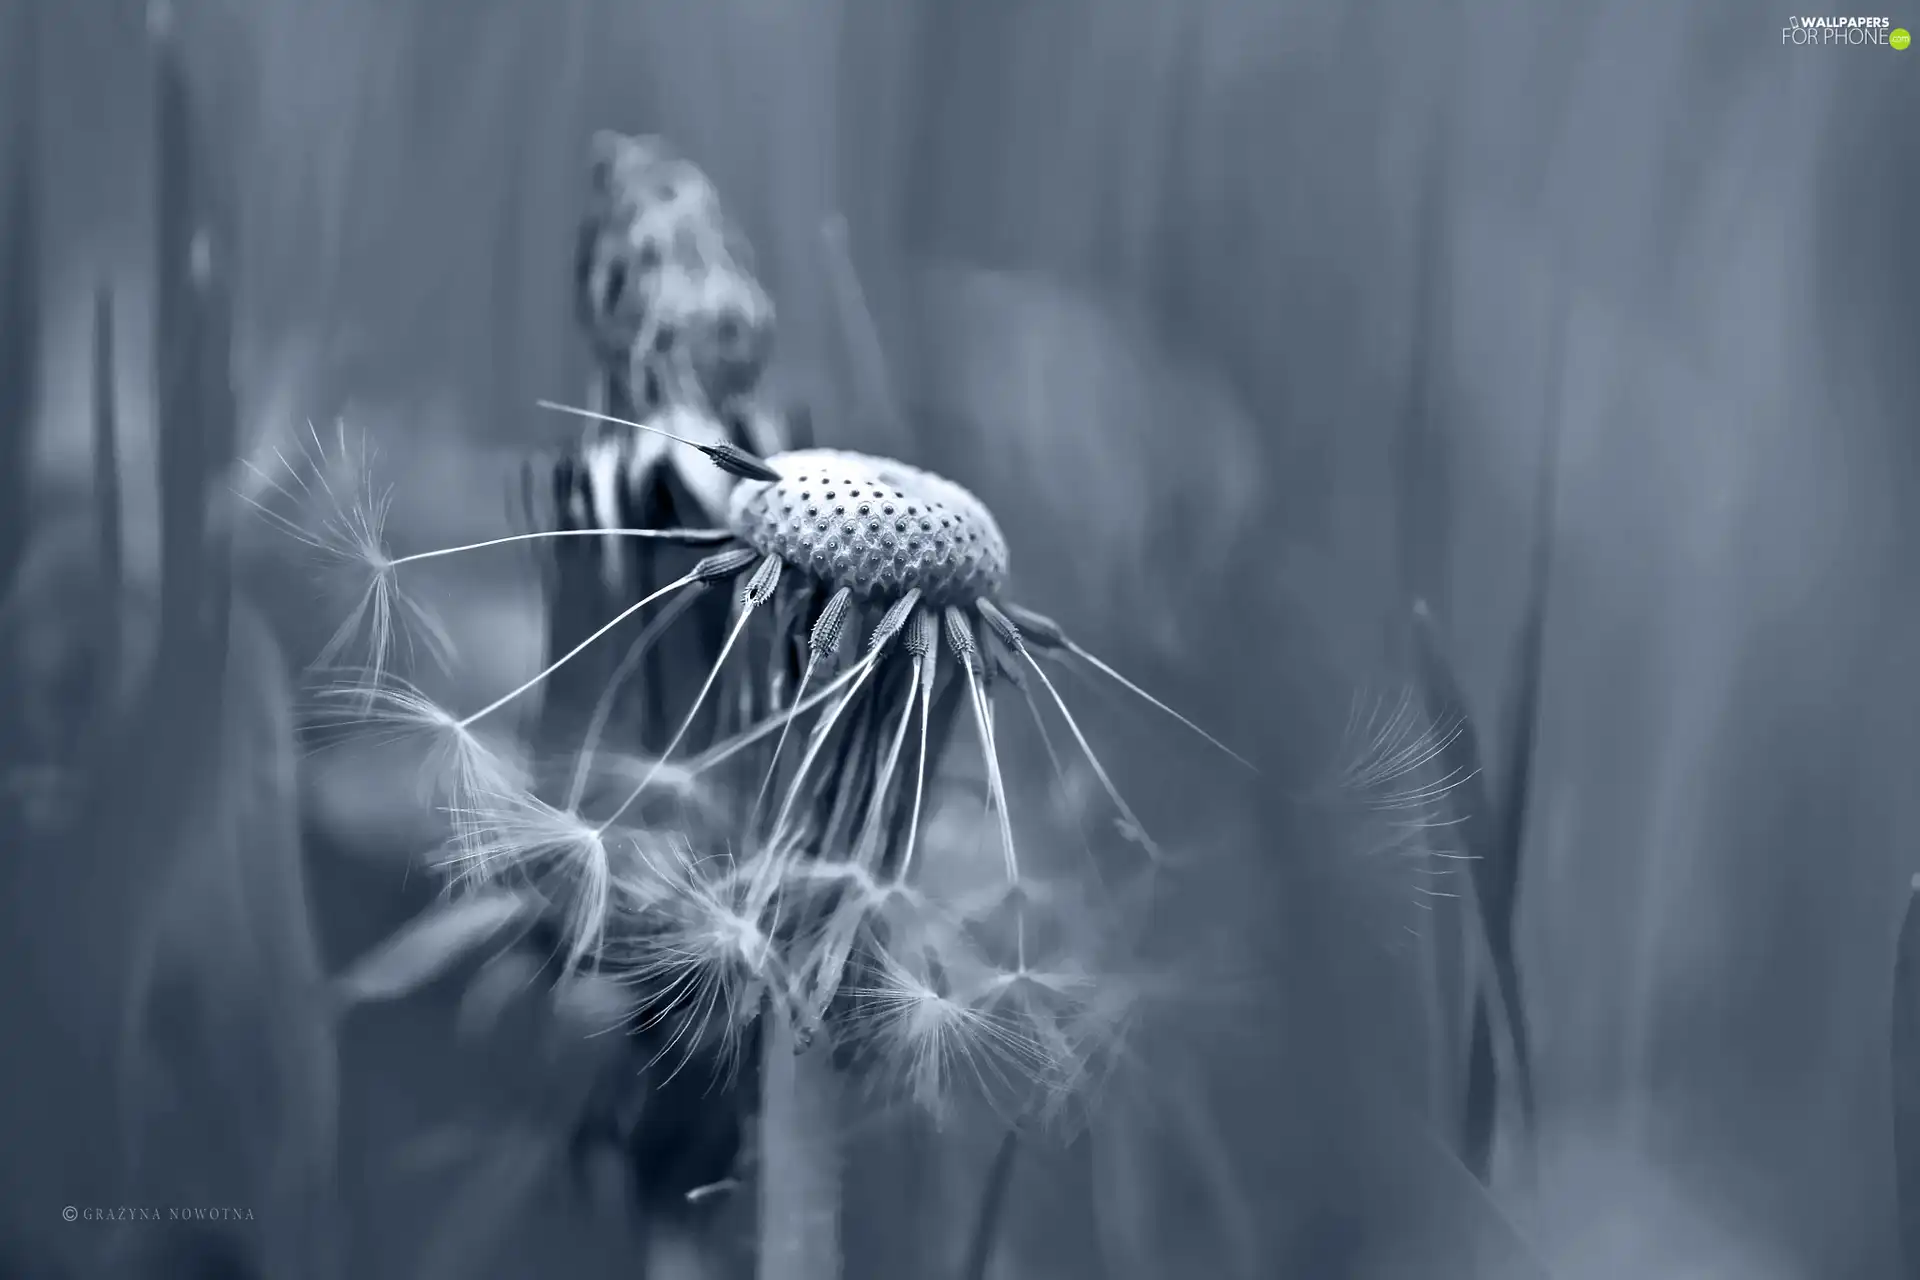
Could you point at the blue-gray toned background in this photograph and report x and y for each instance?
(1165, 283)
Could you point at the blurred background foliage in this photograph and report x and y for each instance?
(1251, 320)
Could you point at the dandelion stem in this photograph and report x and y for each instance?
(799, 1164)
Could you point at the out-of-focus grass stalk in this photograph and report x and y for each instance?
(874, 395)
(1424, 517)
(799, 1156)
(985, 1236)
(19, 278)
(1492, 814)
(215, 752)
(1497, 882)
(1490, 836)
(197, 418)
(1906, 1079)
(106, 485)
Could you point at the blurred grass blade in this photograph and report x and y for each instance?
(198, 420)
(1490, 836)
(178, 351)
(1173, 1140)
(19, 278)
(1906, 1078)
(1494, 826)
(228, 930)
(1424, 471)
(496, 1193)
(875, 398)
(983, 1243)
(431, 944)
(265, 862)
(107, 503)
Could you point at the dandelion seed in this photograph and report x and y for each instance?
(730, 458)
(348, 531)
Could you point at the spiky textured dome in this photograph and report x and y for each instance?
(878, 526)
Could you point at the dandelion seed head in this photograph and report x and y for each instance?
(876, 526)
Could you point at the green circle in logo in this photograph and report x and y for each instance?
(1899, 38)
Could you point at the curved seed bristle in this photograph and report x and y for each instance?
(827, 628)
(723, 565)
(894, 619)
(921, 633)
(761, 586)
(1040, 631)
(960, 639)
(737, 461)
(1002, 625)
